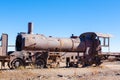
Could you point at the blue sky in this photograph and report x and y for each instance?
(61, 18)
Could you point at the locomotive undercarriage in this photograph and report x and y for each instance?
(36, 59)
(85, 61)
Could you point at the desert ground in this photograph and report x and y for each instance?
(106, 71)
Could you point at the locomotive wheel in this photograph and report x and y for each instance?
(40, 63)
(97, 60)
(16, 63)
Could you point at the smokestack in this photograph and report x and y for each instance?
(30, 28)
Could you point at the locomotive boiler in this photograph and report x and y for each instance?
(40, 42)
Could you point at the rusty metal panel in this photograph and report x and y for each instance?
(4, 44)
(53, 43)
(41, 42)
(0, 51)
(76, 43)
(66, 44)
(35, 42)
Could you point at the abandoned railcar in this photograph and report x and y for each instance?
(42, 51)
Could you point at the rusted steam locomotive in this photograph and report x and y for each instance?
(42, 51)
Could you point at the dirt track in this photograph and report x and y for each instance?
(107, 71)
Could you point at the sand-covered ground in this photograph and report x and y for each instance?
(107, 71)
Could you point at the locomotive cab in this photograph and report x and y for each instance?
(91, 40)
(93, 47)
(102, 40)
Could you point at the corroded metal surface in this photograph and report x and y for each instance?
(4, 45)
(40, 42)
